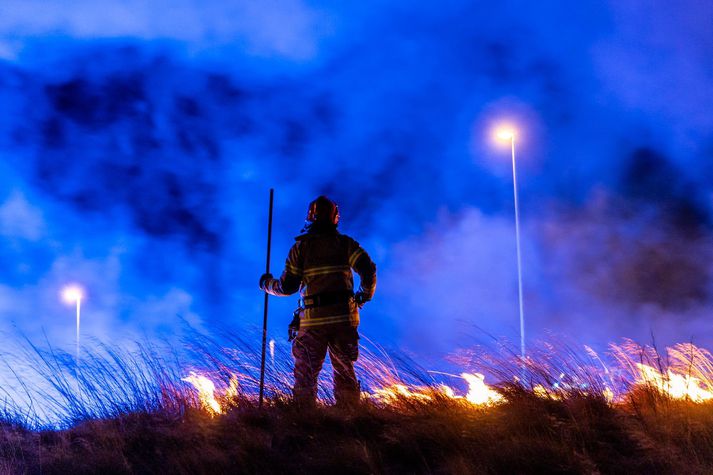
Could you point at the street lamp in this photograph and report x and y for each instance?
(506, 133)
(73, 294)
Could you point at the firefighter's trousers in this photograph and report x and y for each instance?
(309, 350)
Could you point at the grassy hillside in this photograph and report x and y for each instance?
(132, 412)
(527, 434)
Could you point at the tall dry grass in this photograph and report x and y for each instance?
(128, 411)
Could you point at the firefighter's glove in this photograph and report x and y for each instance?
(293, 327)
(264, 280)
(360, 298)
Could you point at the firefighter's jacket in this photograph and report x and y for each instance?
(321, 263)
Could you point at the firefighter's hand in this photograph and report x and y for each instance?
(360, 299)
(264, 279)
(292, 332)
(294, 326)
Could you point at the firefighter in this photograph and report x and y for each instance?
(320, 265)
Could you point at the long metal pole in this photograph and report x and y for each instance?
(78, 322)
(76, 370)
(519, 253)
(264, 317)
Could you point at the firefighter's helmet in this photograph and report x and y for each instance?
(323, 210)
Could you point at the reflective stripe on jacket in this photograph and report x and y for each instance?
(320, 263)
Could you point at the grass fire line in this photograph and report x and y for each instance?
(689, 377)
(631, 407)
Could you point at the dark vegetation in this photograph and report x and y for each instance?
(134, 415)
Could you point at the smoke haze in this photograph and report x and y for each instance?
(138, 142)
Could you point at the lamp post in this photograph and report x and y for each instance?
(505, 134)
(71, 295)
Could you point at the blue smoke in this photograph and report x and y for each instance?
(137, 159)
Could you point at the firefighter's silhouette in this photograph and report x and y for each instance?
(320, 266)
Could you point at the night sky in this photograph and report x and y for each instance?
(139, 139)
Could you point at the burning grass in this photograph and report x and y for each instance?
(155, 410)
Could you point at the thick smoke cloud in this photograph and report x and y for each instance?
(137, 150)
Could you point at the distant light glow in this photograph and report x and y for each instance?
(71, 294)
(504, 132)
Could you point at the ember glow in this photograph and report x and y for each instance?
(206, 392)
(685, 372)
(676, 386)
(233, 389)
(478, 392)
(687, 376)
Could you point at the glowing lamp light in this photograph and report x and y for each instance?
(504, 133)
(71, 294)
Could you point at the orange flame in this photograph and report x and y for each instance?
(676, 386)
(687, 374)
(479, 393)
(206, 392)
(395, 392)
(233, 388)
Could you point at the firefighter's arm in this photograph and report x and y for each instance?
(289, 281)
(362, 264)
